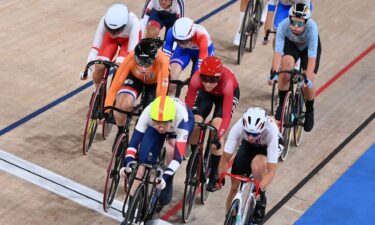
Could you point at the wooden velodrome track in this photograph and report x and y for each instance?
(44, 45)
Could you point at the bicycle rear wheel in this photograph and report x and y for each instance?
(274, 99)
(245, 28)
(136, 211)
(112, 180)
(96, 104)
(255, 23)
(191, 184)
(286, 124)
(230, 217)
(299, 118)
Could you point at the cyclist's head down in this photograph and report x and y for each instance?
(116, 19)
(162, 113)
(254, 122)
(165, 4)
(299, 14)
(210, 72)
(183, 30)
(145, 53)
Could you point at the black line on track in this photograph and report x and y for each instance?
(52, 181)
(287, 197)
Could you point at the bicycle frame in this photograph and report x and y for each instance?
(246, 187)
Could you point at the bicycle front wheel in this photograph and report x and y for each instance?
(205, 172)
(286, 124)
(245, 27)
(299, 106)
(191, 184)
(136, 211)
(91, 126)
(274, 98)
(230, 218)
(112, 180)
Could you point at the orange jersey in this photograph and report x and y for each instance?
(159, 75)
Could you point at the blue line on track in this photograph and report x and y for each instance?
(88, 84)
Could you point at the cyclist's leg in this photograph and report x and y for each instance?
(179, 61)
(309, 93)
(291, 54)
(236, 40)
(154, 24)
(107, 51)
(241, 166)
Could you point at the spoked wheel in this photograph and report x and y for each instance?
(136, 211)
(112, 180)
(206, 170)
(255, 23)
(274, 98)
(300, 119)
(286, 124)
(230, 218)
(91, 126)
(245, 27)
(191, 185)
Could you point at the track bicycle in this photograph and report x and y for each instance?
(243, 204)
(142, 206)
(293, 110)
(198, 172)
(112, 180)
(96, 106)
(250, 27)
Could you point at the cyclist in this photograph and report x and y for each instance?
(297, 38)
(213, 84)
(165, 117)
(145, 68)
(261, 144)
(237, 36)
(278, 10)
(193, 43)
(160, 13)
(118, 27)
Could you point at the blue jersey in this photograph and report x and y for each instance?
(308, 39)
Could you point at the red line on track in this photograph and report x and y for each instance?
(178, 206)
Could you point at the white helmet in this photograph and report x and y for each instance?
(300, 10)
(183, 29)
(254, 120)
(116, 18)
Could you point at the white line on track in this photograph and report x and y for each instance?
(60, 185)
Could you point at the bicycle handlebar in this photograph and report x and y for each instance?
(107, 64)
(204, 126)
(137, 111)
(180, 82)
(241, 178)
(268, 32)
(293, 73)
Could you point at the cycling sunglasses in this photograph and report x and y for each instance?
(254, 135)
(209, 79)
(297, 23)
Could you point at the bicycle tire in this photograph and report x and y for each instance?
(246, 22)
(274, 99)
(251, 210)
(112, 180)
(191, 185)
(299, 116)
(205, 170)
(255, 23)
(230, 217)
(286, 124)
(91, 122)
(136, 210)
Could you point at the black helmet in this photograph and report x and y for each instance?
(145, 52)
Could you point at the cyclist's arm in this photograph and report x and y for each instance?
(139, 131)
(279, 44)
(168, 44)
(227, 107)
(312, 46)
(135, 35)
(270, 15)
(163, 74)
(202, 41)
(267, 179)
(99, 34)
(194, 85)
(118, 80)
(272, 141)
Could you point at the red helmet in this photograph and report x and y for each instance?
(211, 66)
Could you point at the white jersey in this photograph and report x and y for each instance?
(131, 31)
(269, 138)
